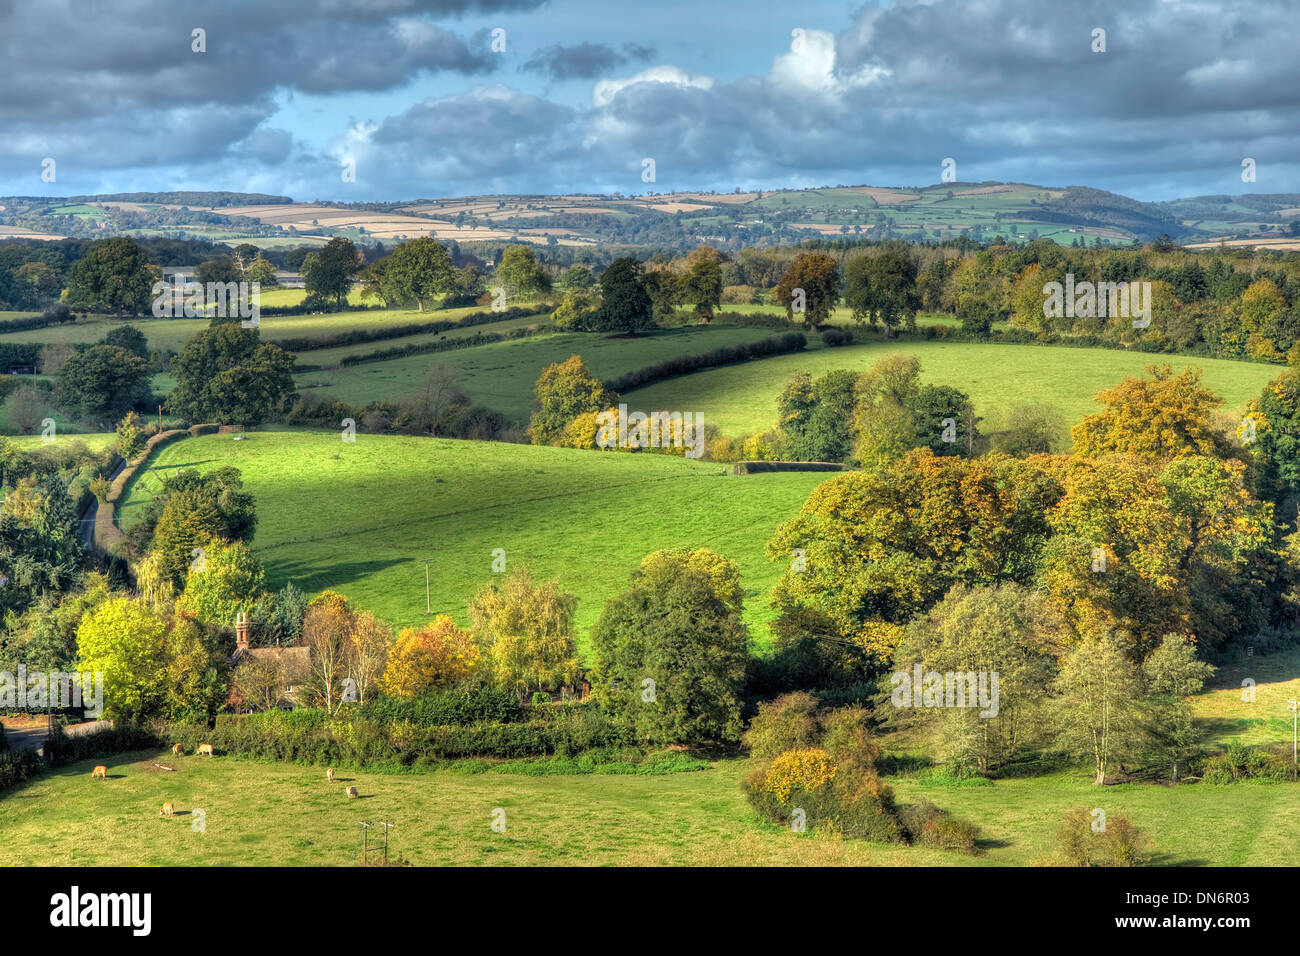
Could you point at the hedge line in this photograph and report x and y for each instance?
(311, 736)
(756, 467)
(685, 364)
(19, 353)
(448, 345)
(358, 336)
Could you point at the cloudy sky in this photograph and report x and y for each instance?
(435, 98)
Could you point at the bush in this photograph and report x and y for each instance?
(927, 825)
(455, 706)
(17, 766)
(1117, 843)
(834, 337)
(787, 723)
(807, 770)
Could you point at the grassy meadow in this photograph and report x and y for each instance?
(501, 375)
(741, 399)
(284, 814)
(363, 517)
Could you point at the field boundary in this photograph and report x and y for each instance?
(107, 534)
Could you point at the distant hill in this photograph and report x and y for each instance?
(944, 212)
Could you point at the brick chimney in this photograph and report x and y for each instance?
(242, 630)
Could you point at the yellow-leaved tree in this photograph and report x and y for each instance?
(437, 655)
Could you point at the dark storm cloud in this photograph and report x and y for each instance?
(1010, 89)
(128, 83)
(584, 60)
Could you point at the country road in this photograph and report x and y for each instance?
(31, 736)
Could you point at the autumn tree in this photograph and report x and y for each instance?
(368, 646)
(438, 655)
(871, 549)
(812, 282)
(526, 632)
(327, 630)
(1162, 417)
(564, 391)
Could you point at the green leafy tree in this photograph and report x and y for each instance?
(521, 273)
(113, 277)
(943, 419)
(1174, 673)
(881, 287)
(1012, 631)
(671, 650)
(229, 581)
(129, 338)
(329, 273)
(103, 383)
(125, 641)
(702, 281)
(1099, 705)
(625, 305)
(227, 374)
(418, 271)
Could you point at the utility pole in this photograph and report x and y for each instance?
(1294, 714)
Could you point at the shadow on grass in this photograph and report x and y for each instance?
(319, 574)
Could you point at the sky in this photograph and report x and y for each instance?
(387, 100)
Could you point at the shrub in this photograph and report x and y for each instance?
(808, 770)
(835, 337)
(1117, 842)
(787, 723)
(848, 737)
(927, 825)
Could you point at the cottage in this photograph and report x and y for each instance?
(275, 682)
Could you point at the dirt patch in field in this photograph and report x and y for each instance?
(886, 197)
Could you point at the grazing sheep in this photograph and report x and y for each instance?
(203, 749)
(100, 771)
(351, 791)
(167, 809)
(176, 750)
(329, 774)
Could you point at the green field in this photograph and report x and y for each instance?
(174, 333)
(363, 517)
(502, 375)
(741, 399)
(261, 814)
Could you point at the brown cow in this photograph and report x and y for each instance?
(176, 750)
(167, 809)
(100, 771)
(203, 749)
(351, 791)
(329, 774)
